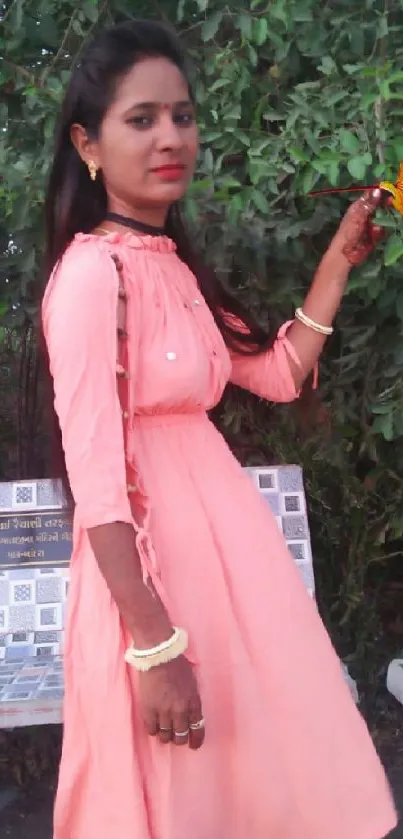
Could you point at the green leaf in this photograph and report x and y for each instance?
(358, 165)
(4, 308)
(201, 185)
(302, 15)
(393, 249)
(334, 169)
(328, 65)
(233, 114)
(77, 28)
(252, 55)
(180, 10)
(260, 201)
(351, 69)
(241, 136)
(349, 142)
(235, 209)
(383, 27)
(90, 9)
(210, 136)
(218, 84)
(244, 23)
(279, 12)
(260, 31)
(384, 425)
(309, 180)
(380, 409)
(191, 209)
(211, 26)
(298, 155)
(208, 160)
(16, 13)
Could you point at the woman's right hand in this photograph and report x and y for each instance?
(171, 703)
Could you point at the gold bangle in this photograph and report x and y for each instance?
(312, 324)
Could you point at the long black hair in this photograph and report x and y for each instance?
(76, 204)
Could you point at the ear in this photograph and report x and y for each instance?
(86, 148)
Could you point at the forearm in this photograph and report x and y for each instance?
(321, 305)
(142, 612)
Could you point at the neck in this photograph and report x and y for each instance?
(152, 216)
(134, 224)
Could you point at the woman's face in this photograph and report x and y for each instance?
(148, 142)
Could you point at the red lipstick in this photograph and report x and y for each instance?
(170, 172)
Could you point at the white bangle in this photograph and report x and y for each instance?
(163, 653)
(312, 324)
(160, 648)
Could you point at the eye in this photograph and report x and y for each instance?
(184, 119)
(141, 121)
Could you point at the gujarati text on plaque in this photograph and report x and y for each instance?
(35, 539)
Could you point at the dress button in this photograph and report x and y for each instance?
(121, 372)
(171, 356)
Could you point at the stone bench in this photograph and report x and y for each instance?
(35, 546)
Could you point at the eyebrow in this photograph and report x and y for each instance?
(148, 106)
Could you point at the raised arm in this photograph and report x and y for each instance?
(279, 374)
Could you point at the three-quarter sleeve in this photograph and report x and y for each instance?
(80, 326)
(268, 375)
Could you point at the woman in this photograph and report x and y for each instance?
(238, 723)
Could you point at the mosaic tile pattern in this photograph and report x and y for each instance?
(31, 692)
(32, 592)
(31, 612)
(32, 599)
(31, 495)
(283, 489)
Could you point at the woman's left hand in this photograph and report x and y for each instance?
(357, 237)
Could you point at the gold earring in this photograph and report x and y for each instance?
(93, 169)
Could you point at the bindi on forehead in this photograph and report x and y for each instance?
(152, 83)
(160, 106)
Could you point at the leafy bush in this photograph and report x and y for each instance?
(293, 95)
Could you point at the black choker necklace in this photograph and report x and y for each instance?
(140, 226)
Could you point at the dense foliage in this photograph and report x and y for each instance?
(293, 95)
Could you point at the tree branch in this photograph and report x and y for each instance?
(8, 12)
(62, 46)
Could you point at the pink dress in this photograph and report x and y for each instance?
(287, 755)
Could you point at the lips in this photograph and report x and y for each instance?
(170, 167)
(171, 171)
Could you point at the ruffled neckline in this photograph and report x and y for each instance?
(139, 241)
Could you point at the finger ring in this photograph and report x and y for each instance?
(181, 733)
(196, 726)
(165, 730)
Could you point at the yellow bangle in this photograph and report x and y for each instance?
(312, 324)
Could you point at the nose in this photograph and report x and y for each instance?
(169, 135)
